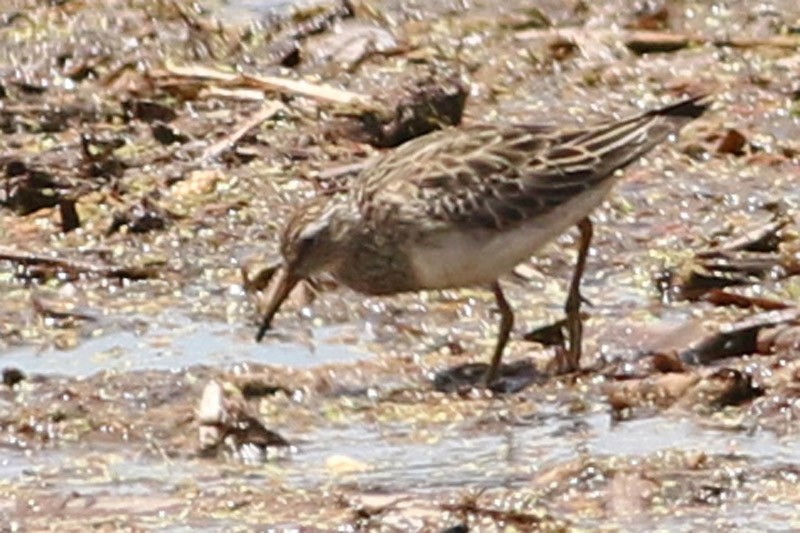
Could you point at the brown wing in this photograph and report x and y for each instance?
(496, 176)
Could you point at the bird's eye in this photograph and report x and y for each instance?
(306, 243)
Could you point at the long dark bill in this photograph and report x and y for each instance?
(282, 284)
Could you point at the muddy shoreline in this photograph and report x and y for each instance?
(151, 150)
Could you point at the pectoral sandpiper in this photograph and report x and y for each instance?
(463, 206)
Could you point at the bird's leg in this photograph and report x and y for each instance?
(506, 324)
(570, 359)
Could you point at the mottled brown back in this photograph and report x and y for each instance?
(497, 176)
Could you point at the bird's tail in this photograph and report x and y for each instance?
(614, 145)
(689, 109)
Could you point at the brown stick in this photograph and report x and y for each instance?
(643, 40)
(230, 141)
(750, 238)
(316, 91)
(77, 267)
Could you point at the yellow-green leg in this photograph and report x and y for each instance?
(506, 325)
(569, 360)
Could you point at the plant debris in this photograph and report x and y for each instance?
(151, 153)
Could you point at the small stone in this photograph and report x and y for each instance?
(732, 142)
(12, 376)
(212, 409)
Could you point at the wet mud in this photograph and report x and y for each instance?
(151, 151)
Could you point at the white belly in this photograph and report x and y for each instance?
(461, 258)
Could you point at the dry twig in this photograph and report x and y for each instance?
(229, 141)
(641, 41)
(77, 267)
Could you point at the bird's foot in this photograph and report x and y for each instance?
(566, 361)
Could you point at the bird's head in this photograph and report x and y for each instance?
(310, 244)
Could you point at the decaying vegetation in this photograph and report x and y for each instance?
(149, 150)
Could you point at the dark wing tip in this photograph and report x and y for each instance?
(689, 108)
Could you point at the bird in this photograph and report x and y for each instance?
(462, 206)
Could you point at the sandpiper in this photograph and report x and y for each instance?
(463, 206)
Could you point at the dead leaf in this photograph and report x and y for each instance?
(732, 142)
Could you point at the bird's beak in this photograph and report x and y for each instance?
(282, 284)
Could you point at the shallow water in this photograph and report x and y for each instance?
(122, 443)
(391, 461)
(509, 457)
(242, 10)
(174, 342)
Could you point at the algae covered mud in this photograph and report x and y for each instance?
(150, 152)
